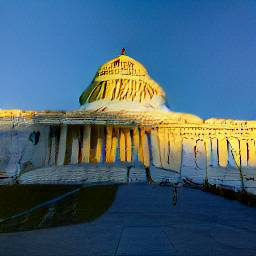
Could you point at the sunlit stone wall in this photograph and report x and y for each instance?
(18, 153)
(221, 152)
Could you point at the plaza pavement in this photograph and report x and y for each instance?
(143, 221)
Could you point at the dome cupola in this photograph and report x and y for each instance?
(122, 80)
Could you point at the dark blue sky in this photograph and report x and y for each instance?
(203, 53)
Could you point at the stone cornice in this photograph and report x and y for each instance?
(183, 124)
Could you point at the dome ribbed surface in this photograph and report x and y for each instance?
(122, 78)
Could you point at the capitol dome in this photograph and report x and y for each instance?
(123, 83)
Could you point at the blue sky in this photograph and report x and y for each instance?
(203, 53)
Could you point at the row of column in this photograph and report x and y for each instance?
(94, 144)
(166, 149)
(171, 151)
(161, 146)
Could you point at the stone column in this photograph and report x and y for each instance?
(109, 131)
(86, 144)
(200, 155)
(53, 150)
(155, 148)
(207, 145)
(175, 152)
(122, 145)
(163, 135)
(48, 152)
(75, 145)
(252, 153)
(214, 153)
(114, 143)
(166, 148)
(243, 152)
(136, 143)
(62, 145)
(235, 149)
(145, 148)
(128, 145)
(98, 153)
(140, 149)
(161, 146)
(223, 151)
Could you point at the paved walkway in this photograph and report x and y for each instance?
(142, 221)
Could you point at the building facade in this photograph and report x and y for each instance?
(123, 120)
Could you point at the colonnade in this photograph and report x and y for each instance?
(164, 147)
(73, 144)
